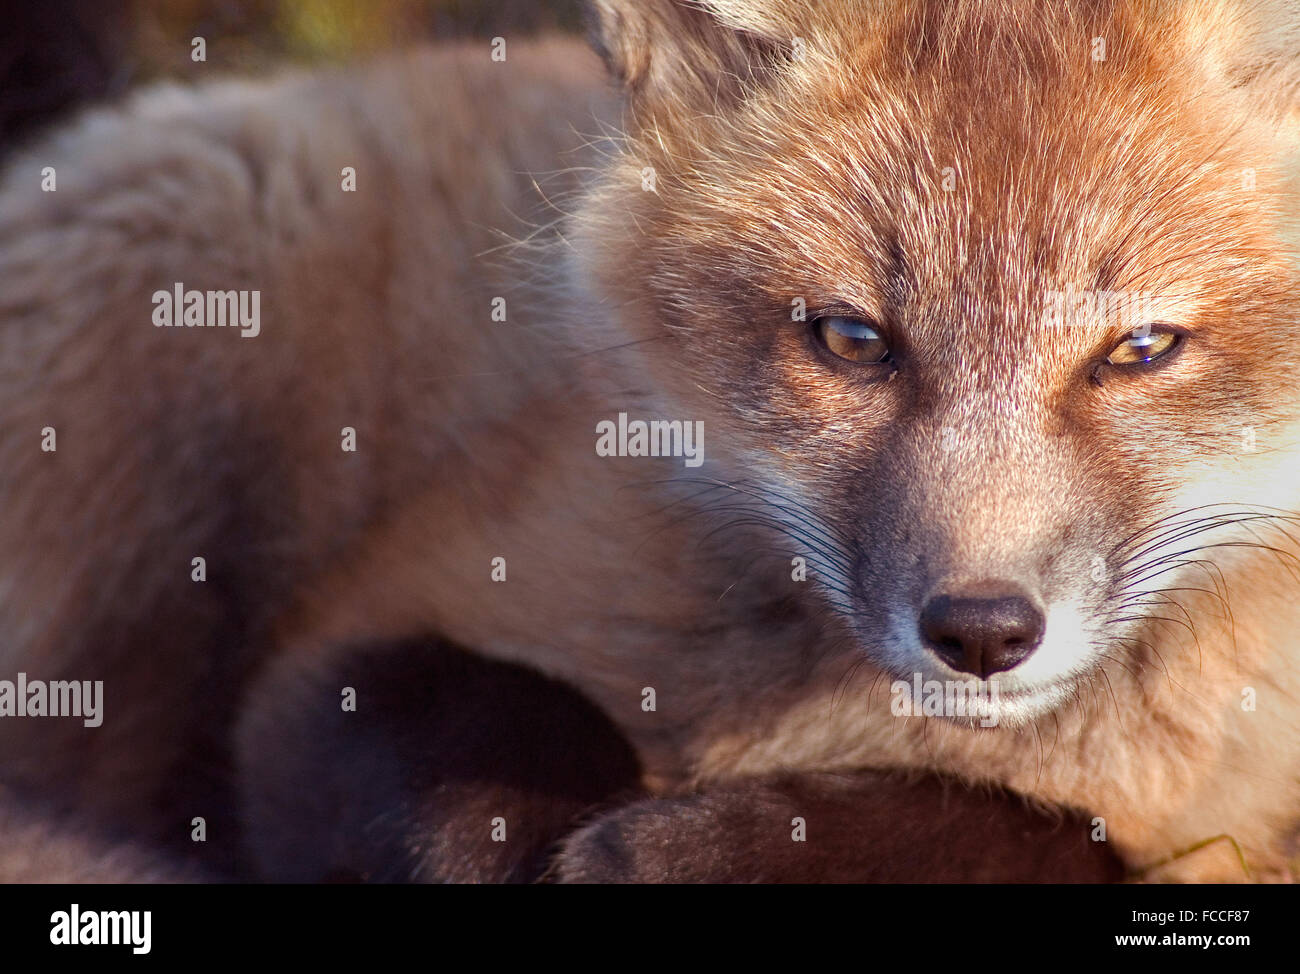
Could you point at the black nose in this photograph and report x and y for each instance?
(982, 634)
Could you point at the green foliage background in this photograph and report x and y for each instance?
(247, 34)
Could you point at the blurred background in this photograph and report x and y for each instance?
(58, 55)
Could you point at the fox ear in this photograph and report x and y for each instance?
(675, 53)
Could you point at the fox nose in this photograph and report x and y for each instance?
(985, 633)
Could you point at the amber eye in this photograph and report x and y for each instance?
(851, 338)
(1144, 346)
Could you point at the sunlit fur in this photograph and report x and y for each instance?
(1129, 502)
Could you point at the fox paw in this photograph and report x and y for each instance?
(655, 841)
(866, 828)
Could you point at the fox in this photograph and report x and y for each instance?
(986, 312)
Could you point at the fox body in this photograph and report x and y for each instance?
(837, 236)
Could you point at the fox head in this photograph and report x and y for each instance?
(989, 305)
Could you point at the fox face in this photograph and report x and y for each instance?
(990, 307)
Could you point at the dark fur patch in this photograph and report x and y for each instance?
(407, 786)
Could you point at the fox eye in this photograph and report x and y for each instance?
(851, 338)
(1138, 349)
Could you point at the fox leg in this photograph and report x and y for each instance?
(421, 762)
(867, 827)
(418, 761)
